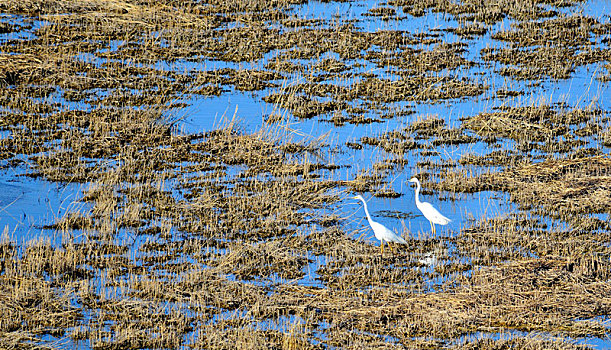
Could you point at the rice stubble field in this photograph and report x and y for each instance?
(235, 236)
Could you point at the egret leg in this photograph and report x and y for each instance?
(433, 228)
(382, 248)
(392, 251)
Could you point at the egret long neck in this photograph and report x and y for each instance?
(367, 212)
(418, 192)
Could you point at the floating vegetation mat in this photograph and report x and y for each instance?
(234, 238)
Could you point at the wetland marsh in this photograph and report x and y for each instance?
(179, 174)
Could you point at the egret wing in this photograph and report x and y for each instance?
(433, 214)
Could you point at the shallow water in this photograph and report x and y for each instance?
(28, 204)
(581, 90)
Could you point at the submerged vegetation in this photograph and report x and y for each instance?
(233, 238)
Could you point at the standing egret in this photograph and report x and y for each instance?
(429, 212)
(381, 232)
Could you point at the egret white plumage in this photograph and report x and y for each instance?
(380, 231)
(429, 212)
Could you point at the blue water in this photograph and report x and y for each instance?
(30, 203)
(27, 204)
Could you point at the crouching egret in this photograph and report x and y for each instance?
(381, 232)
(429, 212)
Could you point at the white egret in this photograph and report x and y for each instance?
(429, 212)
(381, 232)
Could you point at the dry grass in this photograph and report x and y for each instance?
(563, 188)
(229, 239)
